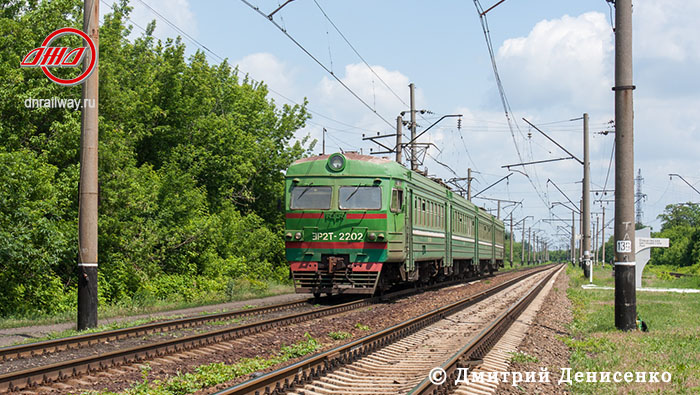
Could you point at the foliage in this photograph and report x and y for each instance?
(191, 161)
(362, 327)
(681, 225)
(339, 335)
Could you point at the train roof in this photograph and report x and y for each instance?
(356, 166)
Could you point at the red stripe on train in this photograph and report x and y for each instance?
(336, 245)
(366, 216)
(366, 267)
(304, 215)
(303, 266)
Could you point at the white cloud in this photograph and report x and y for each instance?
(562, 62)
(667, 29)
(372, 91)
(269, 69)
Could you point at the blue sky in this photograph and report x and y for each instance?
(555, 60)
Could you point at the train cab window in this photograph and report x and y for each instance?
(310, 197)
(360, 198)
(396, 200)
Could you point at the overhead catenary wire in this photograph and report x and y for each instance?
(504, 98)
(358, 54)
(221, 59)
(323, 66)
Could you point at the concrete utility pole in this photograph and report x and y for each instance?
(399, 133)
(522, 248)
(414, 160)
(625, 296)
(323, 152)
(529, 245)
(512, 236)
(586, 204)
(573, 237)
(603, 235)
(580, 243)
(469, 184)
(87, 216)
(498, 215)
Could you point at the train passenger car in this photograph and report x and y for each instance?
(360, 224)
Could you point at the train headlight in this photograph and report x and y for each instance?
(336, 162)
(297, 235)
(372, 236)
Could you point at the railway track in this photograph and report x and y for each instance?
(59, 371)
(90, 339)
(395, 351)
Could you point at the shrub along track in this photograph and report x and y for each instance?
(61, 371)
(396, 359)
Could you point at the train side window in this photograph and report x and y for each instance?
(396, 200)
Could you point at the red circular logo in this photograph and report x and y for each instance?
(93, 56)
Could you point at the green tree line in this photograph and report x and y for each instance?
(191, 167)
(680, 223)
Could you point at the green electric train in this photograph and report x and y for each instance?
(358, 224)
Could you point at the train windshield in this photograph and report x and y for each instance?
(359, 197)
(311, 197)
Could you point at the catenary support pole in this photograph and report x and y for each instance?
(399, 135)
(529, 246)
(625, 296)
(586, 204)
(469, 184)
(573, 238)
(512, 236)
(414, 160)
(603, 236)
(88, 198)
(522, 247)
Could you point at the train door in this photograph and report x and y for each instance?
(408, 231)
(447, 228)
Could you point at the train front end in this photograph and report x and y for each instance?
(336, 223)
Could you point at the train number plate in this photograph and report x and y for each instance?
(336, 236)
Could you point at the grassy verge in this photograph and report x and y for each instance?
(146, 308)
(206, 376)
(671, 344)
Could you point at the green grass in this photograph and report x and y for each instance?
(339, 335)
(362, 327)
(138, 309)
(206, 376)
(521, 357)
(652, 277)
(671, 345)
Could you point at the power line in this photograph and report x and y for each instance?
(214, 54)
(358, 54)
(504, 99)
(256, 9)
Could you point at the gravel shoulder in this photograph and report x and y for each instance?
(544, 342)
(13, 335)
(267, 343)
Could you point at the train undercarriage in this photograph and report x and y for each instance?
(335, 275)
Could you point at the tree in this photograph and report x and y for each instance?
(191, 160)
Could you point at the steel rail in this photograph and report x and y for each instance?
(18, 380)
(297, 374)
(474, 352)
(48, 346)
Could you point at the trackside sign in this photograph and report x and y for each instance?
(47, 56)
